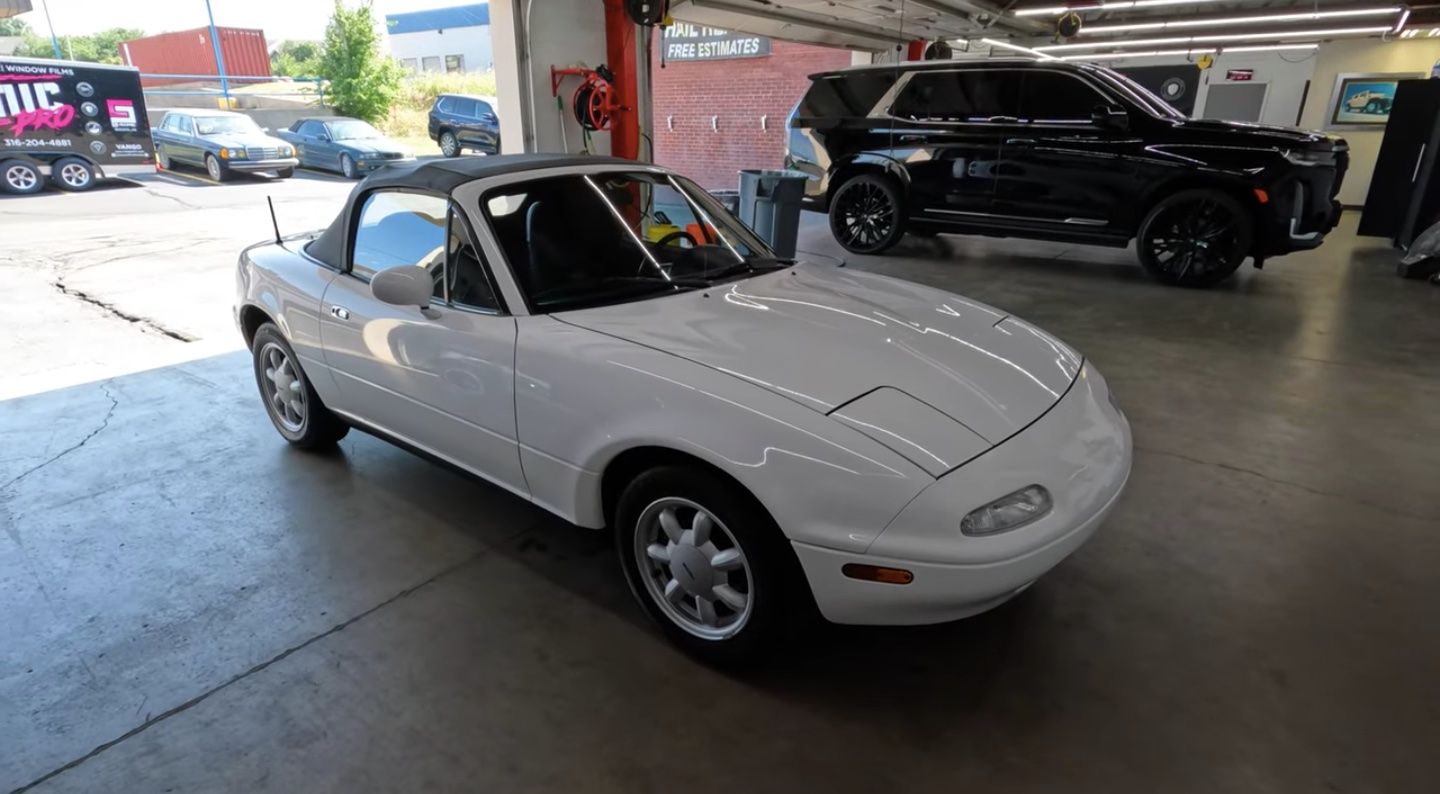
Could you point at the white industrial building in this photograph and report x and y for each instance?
(455, 39)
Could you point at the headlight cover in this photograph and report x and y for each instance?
(1308, 158)
(1008, 512)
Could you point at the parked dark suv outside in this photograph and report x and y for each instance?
(1057, 151)
(459, 122)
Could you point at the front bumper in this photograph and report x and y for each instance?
(367, 165)
(261, 165)
(1080, 451)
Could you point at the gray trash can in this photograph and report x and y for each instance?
(770, 205)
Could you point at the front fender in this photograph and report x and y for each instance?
(583, 398)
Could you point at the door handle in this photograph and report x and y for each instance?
(911, 138)
(340, 312)
(1019, 141)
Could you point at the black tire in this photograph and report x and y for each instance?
(347, 166)
(1195, 238)
(768, 577)
(162, 157)
(73, 173)
(21, 177)
(867, 214)
(317, 427)
(216, 169)
(284, 173)
(449, 144)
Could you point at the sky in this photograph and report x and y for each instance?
(280, 19)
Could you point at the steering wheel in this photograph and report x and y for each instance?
(664, 241)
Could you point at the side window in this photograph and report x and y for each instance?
(849, 96)
(399, 229)
(466, 108)
(445, 104)
(184, 125)
(971, 95)
(469, 281)
(168, 123)
(483, 109)
(1055, 97)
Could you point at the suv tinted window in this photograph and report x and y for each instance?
(483, 108)
(444, 104)
(1057, 97)
(972, 95)
(846, 96)
(399, 229)
(462, 106)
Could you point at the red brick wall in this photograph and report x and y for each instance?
(739, 92)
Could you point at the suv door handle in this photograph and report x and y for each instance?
(911, 138)
(1019, 141)
(340, 312)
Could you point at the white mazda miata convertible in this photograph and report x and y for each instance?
(604, 339)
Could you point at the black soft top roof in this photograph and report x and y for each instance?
(440, 177)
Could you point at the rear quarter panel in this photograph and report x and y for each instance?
(280, 280)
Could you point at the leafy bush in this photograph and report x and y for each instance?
(364, 82)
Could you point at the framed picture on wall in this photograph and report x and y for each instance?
(1362, 101)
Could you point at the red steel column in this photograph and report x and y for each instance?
(620, 43)
(915, 50)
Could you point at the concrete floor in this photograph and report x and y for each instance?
(189, 605)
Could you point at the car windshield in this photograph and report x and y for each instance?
(216, 125)
(591, 240)
(1143, 96)
(353, 130)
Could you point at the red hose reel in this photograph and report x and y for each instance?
(594, 101)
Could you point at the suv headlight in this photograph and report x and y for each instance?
(1309, 158)
(1008, 512)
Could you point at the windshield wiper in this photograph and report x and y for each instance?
(752, 264)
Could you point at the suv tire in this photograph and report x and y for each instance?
(449, 144)
(1195, 238)
(867, 214)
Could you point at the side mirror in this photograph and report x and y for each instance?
(1110, 117)
(403, 286)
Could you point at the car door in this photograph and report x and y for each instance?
(1061, 165)
(303, 137)
(321, 140)
(487, 125)
(440, 377)
(466, 119)
(948, 131)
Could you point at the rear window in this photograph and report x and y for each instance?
(845, 96)
(972, 95)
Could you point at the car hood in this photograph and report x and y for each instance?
(372, 146)
(238, 140)
(1273, 134)
(823, 336)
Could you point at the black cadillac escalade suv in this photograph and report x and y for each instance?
(1057, 151)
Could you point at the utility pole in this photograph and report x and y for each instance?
(54, 42)
(219, 59)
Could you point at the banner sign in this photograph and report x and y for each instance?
(686, 42)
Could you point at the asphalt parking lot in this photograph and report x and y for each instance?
(190, 605)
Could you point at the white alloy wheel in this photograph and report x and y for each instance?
(448, 145)
(693, 568)
(22, 178)
(76, 176)
(285, 395)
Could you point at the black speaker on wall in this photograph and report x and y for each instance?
(1404, 197)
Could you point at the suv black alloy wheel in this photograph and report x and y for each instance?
(866, 214)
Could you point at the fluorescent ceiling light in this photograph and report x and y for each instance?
(1404, 17)
(1172, 24)
(1121, 6)
(1109, 56)
(1273, 35)
(1016, 47)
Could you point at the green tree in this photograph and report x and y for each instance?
(296, 59)
(101, 47)
(14, 26)
(364, 82)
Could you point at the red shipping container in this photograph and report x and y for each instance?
(190, 52)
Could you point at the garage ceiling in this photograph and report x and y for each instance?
(881, 24)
